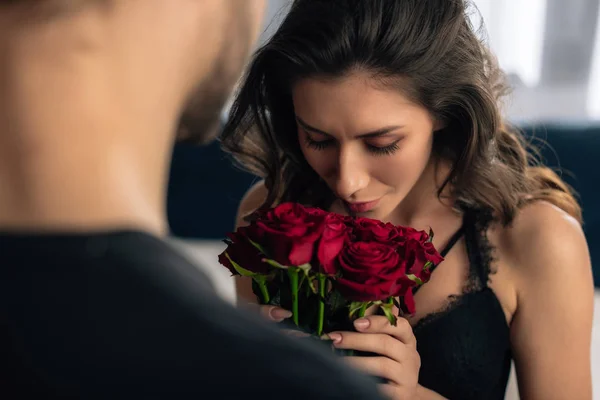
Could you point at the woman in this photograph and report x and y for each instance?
(390, 109)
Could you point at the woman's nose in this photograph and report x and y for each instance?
(351, 175)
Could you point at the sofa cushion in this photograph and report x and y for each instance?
(572, 150)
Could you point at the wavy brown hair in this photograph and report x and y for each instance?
(431, 52)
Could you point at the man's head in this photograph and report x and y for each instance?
(197, 47)
(93, 94)
(200, 121)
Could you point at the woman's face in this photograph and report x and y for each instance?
(370, 145)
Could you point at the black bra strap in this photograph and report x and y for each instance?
(478, 248)
(453, 240)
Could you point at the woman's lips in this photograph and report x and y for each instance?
(362, 207)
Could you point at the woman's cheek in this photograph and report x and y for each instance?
(402, 168)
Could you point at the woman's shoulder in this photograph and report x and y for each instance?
(543, 242)
(252, 200)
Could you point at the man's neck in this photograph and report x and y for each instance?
(82, 146)
(98, 188)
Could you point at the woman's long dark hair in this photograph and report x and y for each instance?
(430, 51)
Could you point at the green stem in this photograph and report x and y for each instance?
(363, 310)
(263, 291)
(293, 274)
(390, 300)
(322, 284)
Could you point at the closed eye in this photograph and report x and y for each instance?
(384, 150)
(377, 150)
(318, 144)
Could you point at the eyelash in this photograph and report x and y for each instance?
(380, 151)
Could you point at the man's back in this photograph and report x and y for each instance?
(92, 93)
(122, 315)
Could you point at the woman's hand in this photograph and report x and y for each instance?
(274, 313)
(398, 360)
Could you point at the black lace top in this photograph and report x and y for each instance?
(465, 349)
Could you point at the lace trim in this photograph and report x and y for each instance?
(454, 301)
(481, 257)
(485, 256)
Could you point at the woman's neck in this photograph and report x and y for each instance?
(424, 203)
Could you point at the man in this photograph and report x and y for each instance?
(93, 303)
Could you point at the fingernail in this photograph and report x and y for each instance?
(280, 313)
(362, 323)
(336, 337)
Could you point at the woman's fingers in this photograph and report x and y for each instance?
(271, 313)
(378, 343)
(382, 367)
(274, 313)
(380, 324)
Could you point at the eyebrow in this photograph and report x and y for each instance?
(378, 132)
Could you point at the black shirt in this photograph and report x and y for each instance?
(122, 315)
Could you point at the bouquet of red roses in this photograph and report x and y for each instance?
(328, 269)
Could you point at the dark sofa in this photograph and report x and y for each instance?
(205, 189)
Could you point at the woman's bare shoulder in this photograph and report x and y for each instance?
(542, 241)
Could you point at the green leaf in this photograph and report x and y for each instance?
(306, 269)
(430, 235)
(389, 313)
(274, 263)
(413, 278)
(357, 306)
(240, 270)
(258, 246)
(354, 307)
(427, 265)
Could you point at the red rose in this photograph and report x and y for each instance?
(408, 233)
(243, 253)
(431, 253)
(417, 254)
(366, 229)
(371, 230)
(316, 211)
(370, 271)
(335, 235)
(288, 233)
(409, 302)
